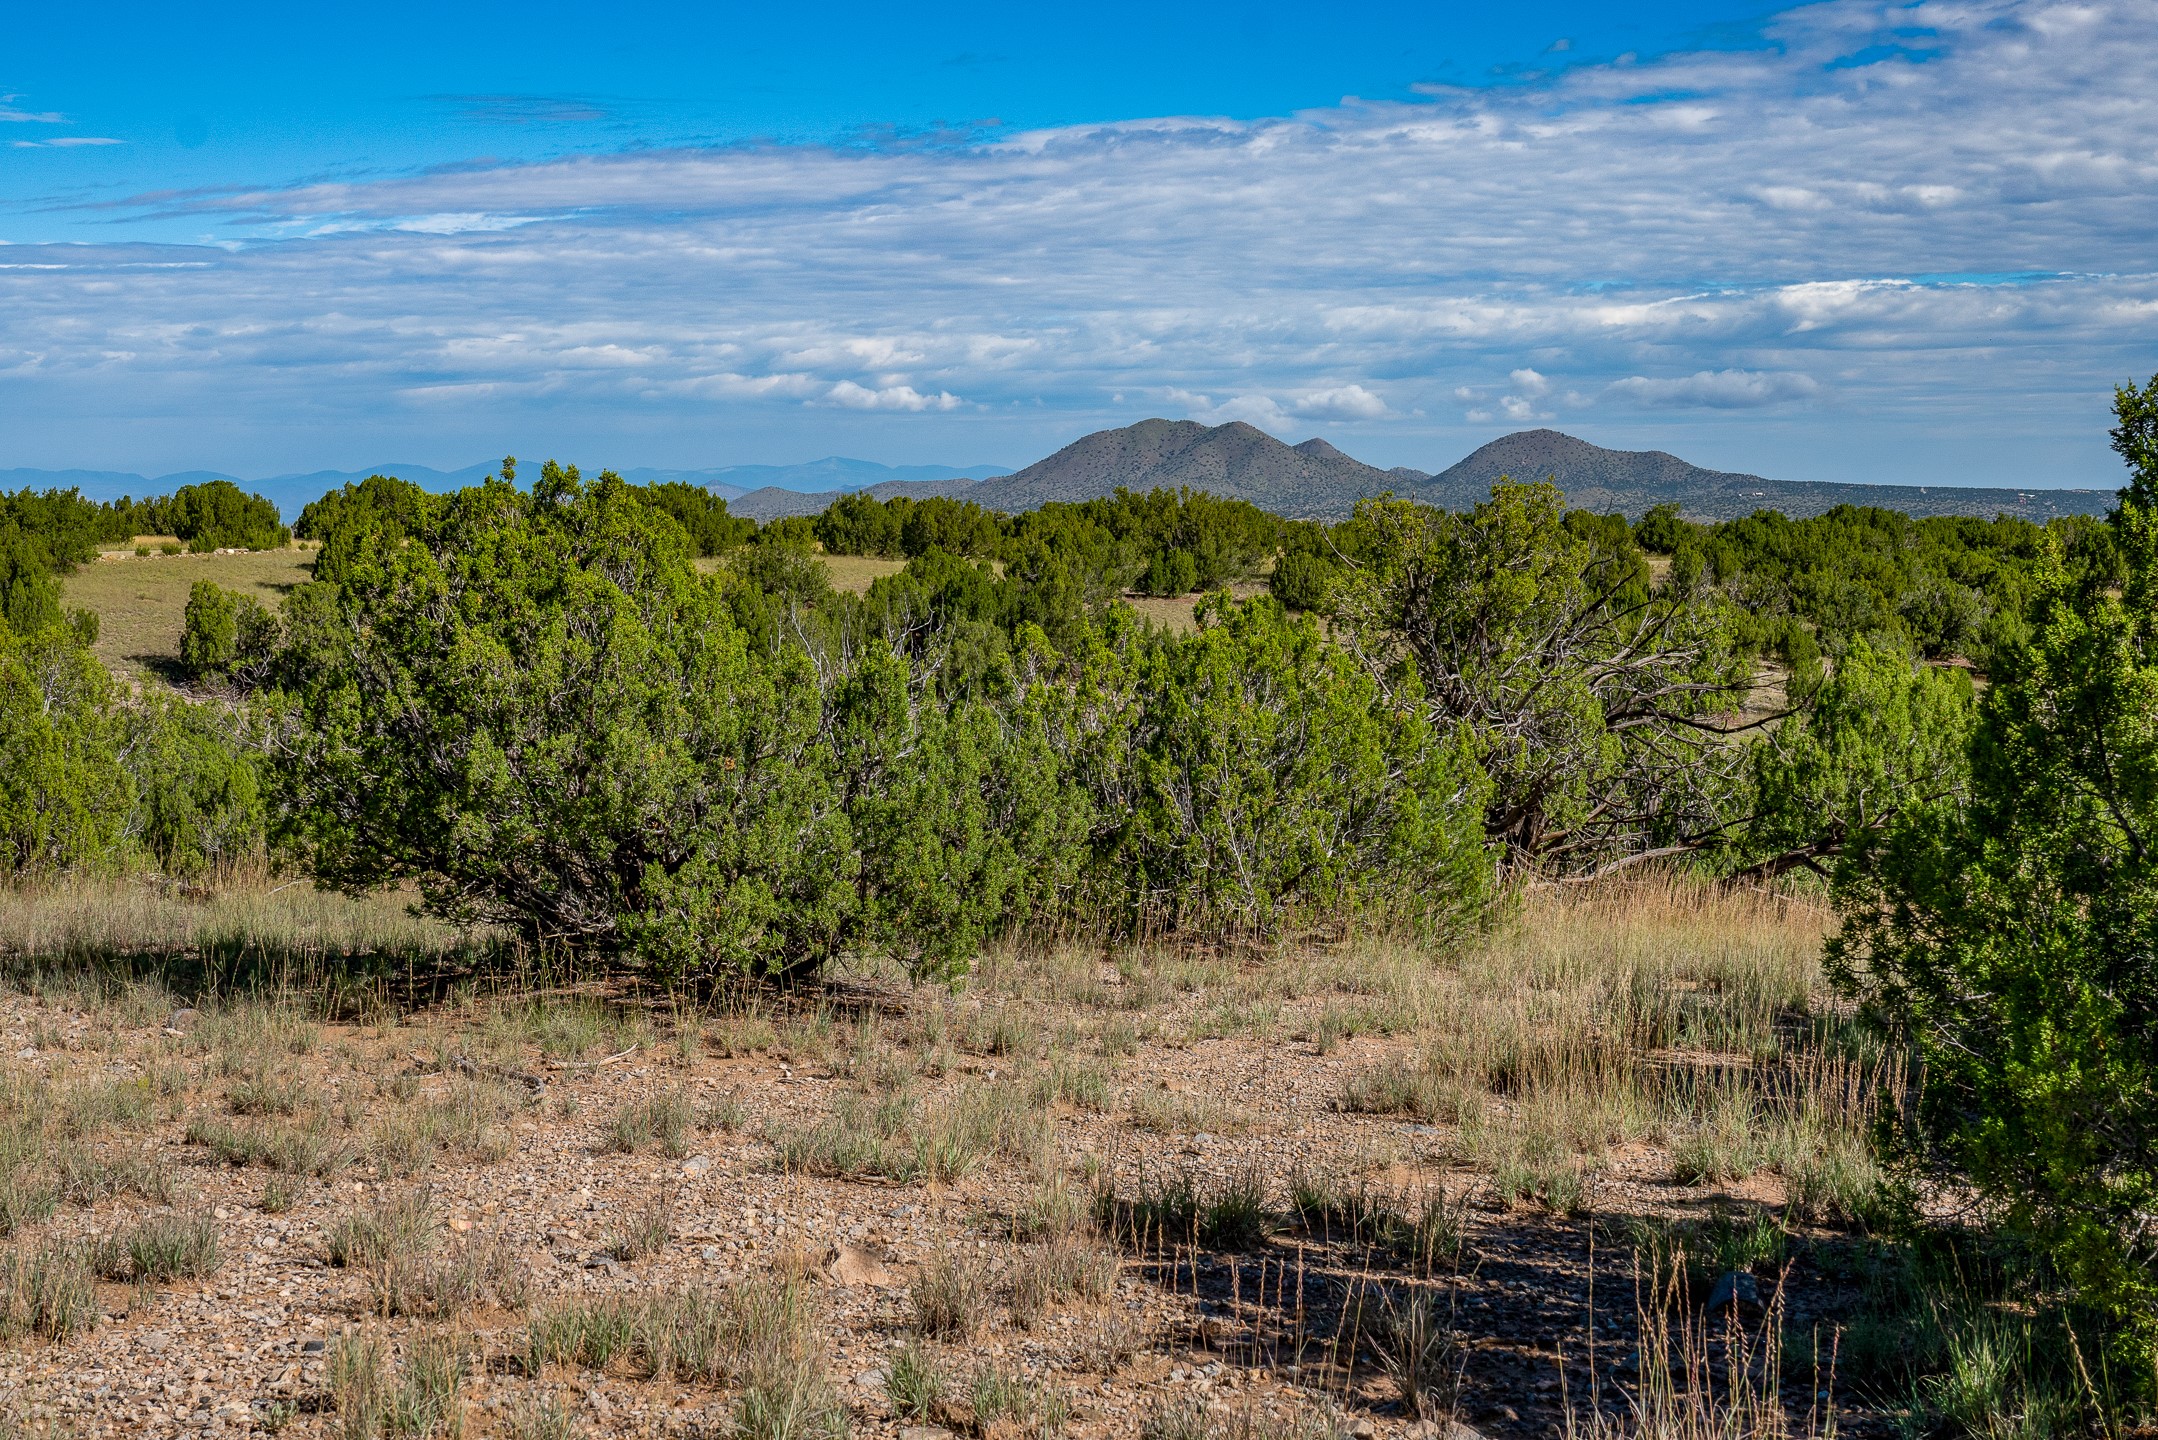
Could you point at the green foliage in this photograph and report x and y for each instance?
(64, 798)
(541, 711)
(201, 805)
(396, 506)
(1661, 531)
(225, 635)
(1880, 737)
(701, 514)
(860, 524)
(29, 591)
(957, 527)
(214, 515)
(1253, 771)
(1304, 581)
(537, 708)
(2135, 440)
(2009, 939)
(1941, 586)
(1588, 696)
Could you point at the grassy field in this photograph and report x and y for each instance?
(289, 1161)
(139, 600)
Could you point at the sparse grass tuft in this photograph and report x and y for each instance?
(48, 1292)
(410, 1271)
(294, 1149)
(664, 1121)
(542, 1417)
(914, 1382)
(646, 1231)
(948, 1298)
(1064, 1269)
(161, 1248)
(418, 1398)
(1176, 1210)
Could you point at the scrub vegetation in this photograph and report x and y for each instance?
(1744, 928)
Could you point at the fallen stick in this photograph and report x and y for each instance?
(591, 1064)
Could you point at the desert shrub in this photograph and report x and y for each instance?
(1880, 735)
(64, 796)
(225, 635)
(705, 803)
(201, 804)
(2010, 938)
(1252, 772)
(1580, 687)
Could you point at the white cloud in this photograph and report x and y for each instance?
(1717, 389)
(10, 112)
(63, 142)
(891, 397)
(1959, 242)
(1343, 402)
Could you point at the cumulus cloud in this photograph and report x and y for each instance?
(1342, 402)
(1717, 389)
(1960, 237)
(890, 397)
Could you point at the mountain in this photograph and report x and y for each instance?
(1234, 460)
(1632, 481)
(1312, 479)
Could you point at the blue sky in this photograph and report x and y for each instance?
(1849, 241)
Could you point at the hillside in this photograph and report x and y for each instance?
(1632, 481)
(1234, 460)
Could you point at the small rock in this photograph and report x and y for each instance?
(696, 1164)
(852, 1265)
(924, 1432)
(870, 1379)
(1362, 1428)
(180, 1021)
(1736, 1289)
(312, 1347)
(1455, 1430)
(156, 1342)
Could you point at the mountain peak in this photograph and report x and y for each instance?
(1236, 460)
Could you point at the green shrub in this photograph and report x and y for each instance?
(2012, 938)
(64, 796)
(225, 635)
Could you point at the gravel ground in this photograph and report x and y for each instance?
(1271, 1333)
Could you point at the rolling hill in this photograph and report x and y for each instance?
(1318, 481)
(1632, 481)
(1312, 480)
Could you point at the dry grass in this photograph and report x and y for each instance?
(140, 601)
(1644, 1048)
(1687, 1016)
(60, 927)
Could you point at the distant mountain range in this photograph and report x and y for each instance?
(1632, 481)
(830, 477)
(1312, 480)
(1316, 481)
